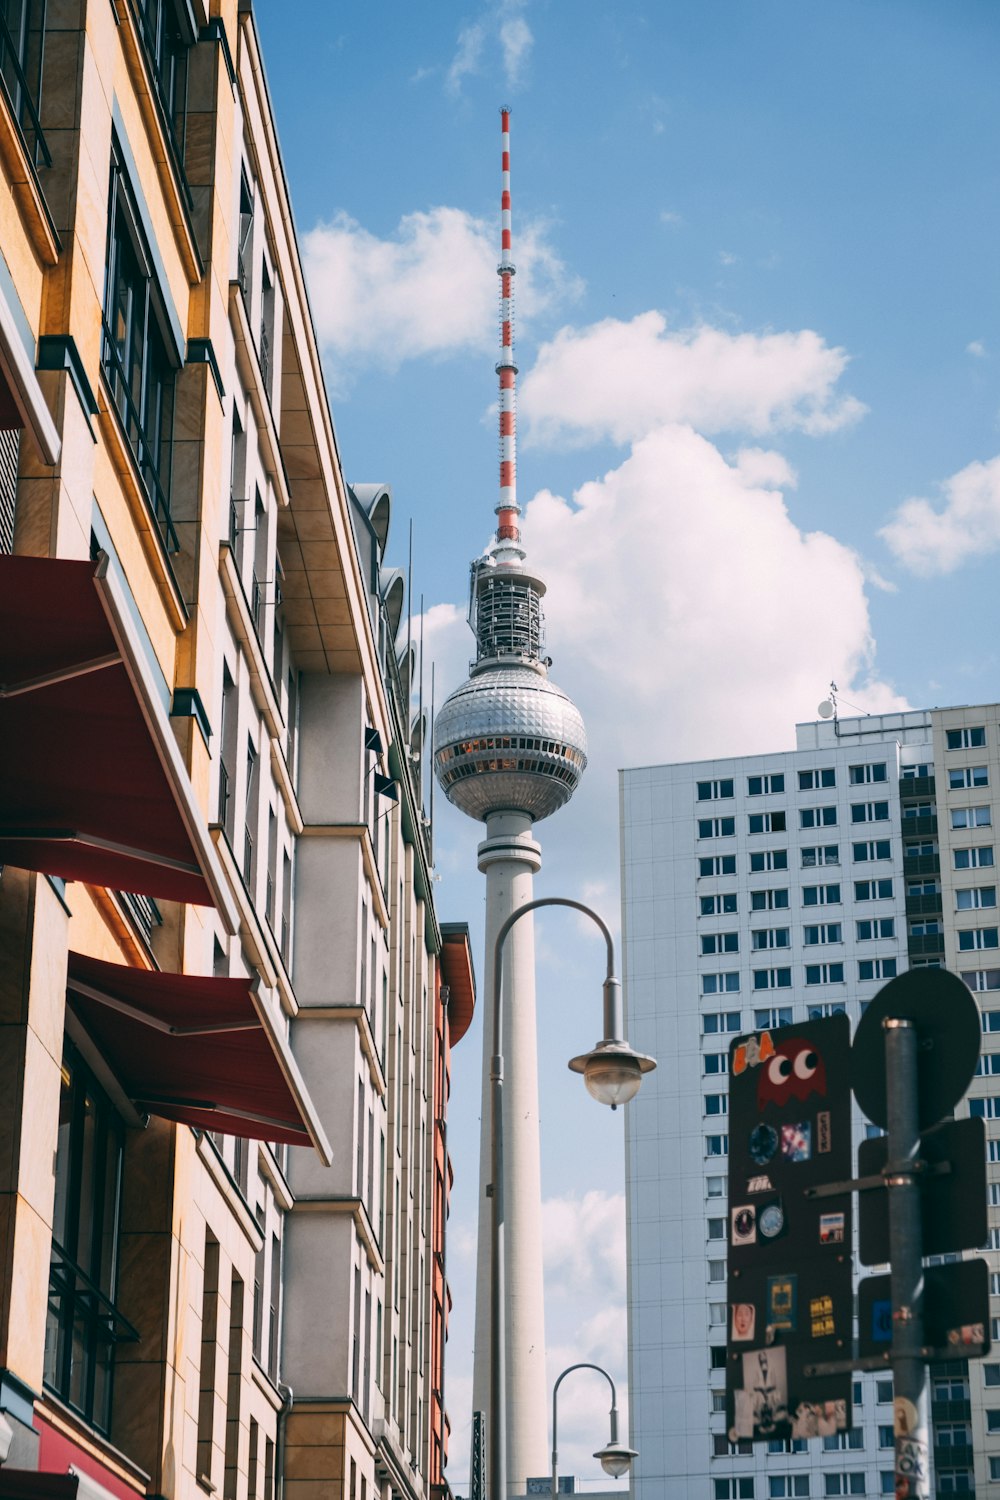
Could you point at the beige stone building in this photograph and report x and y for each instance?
(218, 947)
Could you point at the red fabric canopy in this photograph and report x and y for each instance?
(84, 786)
(189, 1049)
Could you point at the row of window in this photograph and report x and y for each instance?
(726, 903)
(868, 852)
(812, 935)
(774, 782)
(784, 1486)
(826, 817)
(728, 983)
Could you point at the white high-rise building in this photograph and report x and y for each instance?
(757, 891)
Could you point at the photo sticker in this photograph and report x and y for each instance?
(823, 1143)
(744, 1322)
(820, 1316)
(782, 1296)
(814, 1419)
(765, 1390)
(831, 1229)
(763, 1144)
(744, 1225)
(796, 1141)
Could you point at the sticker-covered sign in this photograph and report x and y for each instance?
(789, 1253)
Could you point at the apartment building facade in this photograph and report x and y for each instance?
(219, 957)
(758, 891)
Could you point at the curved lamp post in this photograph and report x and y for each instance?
(612, 1072)
(616, 1458)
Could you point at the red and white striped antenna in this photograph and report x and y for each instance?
(508, 509)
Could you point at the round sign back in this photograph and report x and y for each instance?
(946, 1017)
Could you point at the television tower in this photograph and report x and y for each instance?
(509, 749)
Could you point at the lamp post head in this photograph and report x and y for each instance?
(612, 1072)
(615, 1459)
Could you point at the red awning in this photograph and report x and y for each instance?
(459, 975)
(92, 785)
(202, 1051)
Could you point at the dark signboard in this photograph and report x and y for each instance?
(952, 1191)
(956, 1311)
(789, 1284)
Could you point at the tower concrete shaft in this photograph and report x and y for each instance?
(510, 858)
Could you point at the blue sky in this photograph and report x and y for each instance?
(758, 333)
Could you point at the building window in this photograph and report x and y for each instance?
(718, 906)
(928, 887)
(22, 28)
(871, 850)
(978, 937)
(979, 895)
(886, 1438)
(716, 1145)
(776, 900)
(84, 1324)
(861, 775)
(876, 927)
(712, 791)
(959, 1481)
(844, 1484)
(824, 973)
(769, 822)
(821, 895)
(811, 781)
(717, 1231)
(717, 864)
(873, 890)
(883, 1392)
(717, 1270)
(771, 937)
(887, 1482)
(876, 968)
(167, 43)
(990, 1019)
(772, 979)
(966, 776)
(763, 786)
(907, 773)
(970, 817)
(776, 1015)
(869, 812)
(716, 828)
(137, 364)
(824, 932)
(966, 739)
(821, 854)
(918, 810)
(928, 928)
(838, 1442)
(717, 1315)
(768, 859)
(720, 1020)
(817, 817)
(985, 1109)
(972, 859)
(784, 1486)
(733, 1489)
(716, 1104)
(720, 942)
(720, 984)
(830, 1008)
(716, 1062)
(984, 979)
(993, 1417)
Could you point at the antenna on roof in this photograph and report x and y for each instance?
(508, 509)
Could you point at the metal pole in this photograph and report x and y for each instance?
(496, 1435)
(555, 1392)
(909, 1373)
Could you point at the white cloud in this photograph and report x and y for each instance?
(509, 31)
(928, 541)
(471, 41)
(977, 349)
(765, 468)
(516, 41)
(671, 217)
(430, 288)
(727, 258)
(621, 380)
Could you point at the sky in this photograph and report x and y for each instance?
(758, 333)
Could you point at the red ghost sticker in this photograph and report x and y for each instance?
(796, 1071)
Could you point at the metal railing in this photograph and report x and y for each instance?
(168, 65)
(257, 602)
(138, 439)
(144, 912)
(224, 793)
(264, 352)
(84, 1326)
(924, 906)
(24, 94)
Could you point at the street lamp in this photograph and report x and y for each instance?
(612, 1072)
(616, 1458)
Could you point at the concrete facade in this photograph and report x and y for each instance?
(760, 890)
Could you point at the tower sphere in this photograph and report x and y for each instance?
(508, 739)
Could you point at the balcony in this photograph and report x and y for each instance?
(924, 826)
(951, 1411)
(921, 864)
(143, 911)
(953, 1456)
(916, 786)
(924, 906)
(926, 945)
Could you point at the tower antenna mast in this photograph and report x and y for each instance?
(508, 509)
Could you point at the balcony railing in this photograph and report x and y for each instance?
(264, 352)
(922, 825)
(224, 793)
(924, 906)
(84, 1326)
(921, 864)
(21, 62)
(257, 602)
(167, 54)
(917, 786)
(926, 944)
(144, 912)
(138, 439)
(247, 856)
